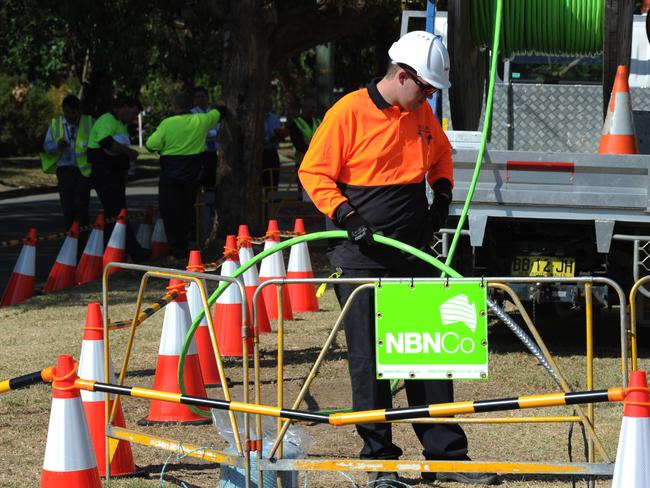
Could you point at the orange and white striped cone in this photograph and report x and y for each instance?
(618, 135)
(252, 280)
(62, 274)
(303, 295)
(20, 286)
(228, 309)
(159, 245)
(145, 229)
(632, 469)
(207, 360)
(115, 249)
(69, 458)
(273, 267)
(175, 327)
(91, 367)
(90, 265)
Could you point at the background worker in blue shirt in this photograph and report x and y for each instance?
(180, 140)
(65, 147)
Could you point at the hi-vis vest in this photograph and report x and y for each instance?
(307, 131)
(48, 161)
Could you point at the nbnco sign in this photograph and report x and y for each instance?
(431, 330)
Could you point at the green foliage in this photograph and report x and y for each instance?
(25, 110)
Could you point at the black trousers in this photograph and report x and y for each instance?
(110, 185)
(440, 441)
(176, 200)
(74, 193)
(209, 169)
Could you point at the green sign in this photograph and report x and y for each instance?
(431, 330)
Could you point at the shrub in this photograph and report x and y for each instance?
(25, 110)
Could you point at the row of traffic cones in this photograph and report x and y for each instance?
(65, 272)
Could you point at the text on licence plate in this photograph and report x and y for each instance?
(543, 266)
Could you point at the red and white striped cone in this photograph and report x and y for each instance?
(90, 265)
(145, 229)
(115, 250)
(273, 267)
(69, 459)
(632, 469)
(228, 309)
(252, 280)
(91, 367)
(62, 274)
(159, 245)
(207, 360)
(20, 286)
(175, 327)
(303, 295)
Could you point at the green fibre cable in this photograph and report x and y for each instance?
(334, 234)
(486, 125)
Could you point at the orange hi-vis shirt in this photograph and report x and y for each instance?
(365, 142)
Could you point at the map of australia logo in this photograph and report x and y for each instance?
(458, 309)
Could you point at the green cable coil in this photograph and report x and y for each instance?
(553, 27)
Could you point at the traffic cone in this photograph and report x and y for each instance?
(175, 327)
(618, 135)
(91, 367)
(90, 264)
(159, 246)
(69, 458)
(145, 229)
(631, 469)
(228, 309)
(208, 363)
(252, 280)
(62, 274)
(273, 267)
(303, 295)
(20, 286)
(114, 252)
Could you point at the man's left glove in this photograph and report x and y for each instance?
(439, 210)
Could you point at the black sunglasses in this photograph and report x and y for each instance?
(425, 87)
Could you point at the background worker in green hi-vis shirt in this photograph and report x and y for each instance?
(65, 146)
(180, 140)
(109, 153)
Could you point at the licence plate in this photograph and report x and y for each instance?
(543, 266)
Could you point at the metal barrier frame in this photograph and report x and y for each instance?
(114, 432)
(275, 463)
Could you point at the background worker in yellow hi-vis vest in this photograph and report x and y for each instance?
(65, 145)
(180, 140)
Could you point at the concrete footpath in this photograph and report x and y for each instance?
(21, 209)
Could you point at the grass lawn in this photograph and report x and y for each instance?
(35, 332)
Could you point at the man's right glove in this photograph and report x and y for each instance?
(359, 231)
(439, 210)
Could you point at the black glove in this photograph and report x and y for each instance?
(223, 110)
(439, 210)
(359, 231)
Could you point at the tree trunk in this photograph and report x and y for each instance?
(246, 71)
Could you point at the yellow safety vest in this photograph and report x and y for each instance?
(48, 161)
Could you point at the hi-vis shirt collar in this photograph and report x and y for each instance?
(375, 96)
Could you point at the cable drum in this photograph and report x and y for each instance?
(552, 27)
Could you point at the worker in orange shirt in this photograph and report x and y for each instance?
(366, 169)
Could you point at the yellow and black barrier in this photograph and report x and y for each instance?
(43, 376)
(616, 394)
(60, 235)
(146, 313)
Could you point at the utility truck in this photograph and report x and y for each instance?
(546, 204)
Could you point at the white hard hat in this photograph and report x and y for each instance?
(426, 54)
